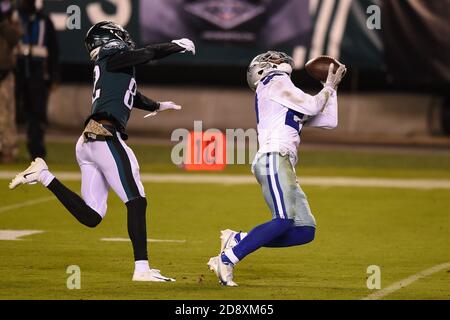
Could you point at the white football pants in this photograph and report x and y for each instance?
(106, 164)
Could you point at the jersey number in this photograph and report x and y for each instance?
(96, 93)
(129, 95)
(293, 119)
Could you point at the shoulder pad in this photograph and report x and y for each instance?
(112, 47)
(271, 75)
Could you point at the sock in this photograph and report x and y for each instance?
(228, 257)
(137, 228)
(295, 236)
(74, 203)
(141, 266)
(239, 236)
(45, 177)
(261, 235)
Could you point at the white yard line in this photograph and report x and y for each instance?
(148, 240)
(248, 179)
(15, 235)
(25, 204)
(406, 282)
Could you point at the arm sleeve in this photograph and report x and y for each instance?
(131, 58)
(284, 92)
(328, 117)
(144, 103)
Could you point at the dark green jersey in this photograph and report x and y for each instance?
(114, 92)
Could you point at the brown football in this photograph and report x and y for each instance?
(318, 67)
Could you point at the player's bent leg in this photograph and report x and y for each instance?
(223, 264)
(117, 163)
(275, 174)
(75, 204)
(38, 172)
(297, 207)
(229, 238)
(94, 188)
(257, 238)
(295, 236)
(266, 171)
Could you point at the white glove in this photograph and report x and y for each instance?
(165, 105)
(335, 78)
(185, 43)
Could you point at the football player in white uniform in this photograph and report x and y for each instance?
(282, 110)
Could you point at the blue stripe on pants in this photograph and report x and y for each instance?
(270, 185)
(280, 191)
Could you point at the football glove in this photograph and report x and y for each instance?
(165, 105)
(185, 43)
(334, 78)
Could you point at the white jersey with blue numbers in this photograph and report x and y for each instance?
(282, 110)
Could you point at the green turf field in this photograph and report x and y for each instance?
(403, 231)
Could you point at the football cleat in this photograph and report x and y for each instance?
(227, 239)
(30, 175)
(223, 271)
(151, 275)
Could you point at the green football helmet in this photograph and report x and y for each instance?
(104, 32)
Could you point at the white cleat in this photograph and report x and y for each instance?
(30, 175)
(213, 264)
(151, 275)
(223, 271)
(227, 239)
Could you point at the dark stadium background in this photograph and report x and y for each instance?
(409, 54)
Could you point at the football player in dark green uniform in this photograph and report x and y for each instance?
(104, 158)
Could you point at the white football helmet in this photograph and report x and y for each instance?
(265, 63)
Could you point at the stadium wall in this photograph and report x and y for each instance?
(399, 114)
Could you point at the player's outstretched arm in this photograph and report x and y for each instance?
(186, 44)
(163, 106)
(144, 103)
(131, 58)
